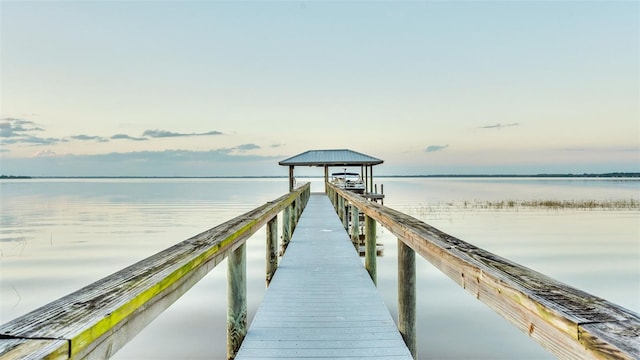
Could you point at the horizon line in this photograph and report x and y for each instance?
(583, 175)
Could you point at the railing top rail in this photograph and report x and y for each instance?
(85, 323)
(567, 321)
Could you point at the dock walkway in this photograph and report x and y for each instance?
(321, 303)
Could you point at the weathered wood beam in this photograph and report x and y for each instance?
(286, 227)
(292, 179)
(355, 226)
(272, 248)
(236, 300)
(370, 254)
(407, 297)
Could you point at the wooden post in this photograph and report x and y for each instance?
(366, 180)
(370, 247)
(355, 226)
(291, 178)
(407, 296)
(237, 299)
(326, 177)
(341, 213)
(272, 248)
(345, 214)
(371, 176)
(293, 217)
(286, 227)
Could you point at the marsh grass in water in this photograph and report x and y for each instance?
(624, 204)
(515, 205)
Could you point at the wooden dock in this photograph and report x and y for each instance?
(322, 303)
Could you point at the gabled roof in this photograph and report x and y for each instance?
(338, 157)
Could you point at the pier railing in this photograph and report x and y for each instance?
(97, 320)
(570, 323)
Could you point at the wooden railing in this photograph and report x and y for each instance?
(97, 320)
(570, 323)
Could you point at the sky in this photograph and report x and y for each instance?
(204, 88)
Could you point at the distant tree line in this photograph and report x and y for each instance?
(14, 177)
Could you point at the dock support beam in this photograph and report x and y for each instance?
(407, 296)
(370, 248)
(326, 178)
(272, 248)
(286, 227)
(345, 214)
(237, 299)
(291, 179)
(355, 226)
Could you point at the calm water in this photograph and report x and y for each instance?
(59, 235)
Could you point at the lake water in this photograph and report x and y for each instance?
(57, 235)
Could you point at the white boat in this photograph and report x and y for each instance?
(348, 181)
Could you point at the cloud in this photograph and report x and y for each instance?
(246, 147)
(498, 126)
(17, 128)
(276, 145)
(434, 148)
(87, 138)
(35, 140)
(165, 134)
(14, 130)
(127, 137)
(45, 153)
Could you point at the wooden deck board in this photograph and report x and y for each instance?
(321, 302)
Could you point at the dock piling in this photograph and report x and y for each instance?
(355, 226)
(407, 296)
(237, 299)
(286, 227)
(370, 247)
(272, 248)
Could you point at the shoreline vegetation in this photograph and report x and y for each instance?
(584, 175)
(545, 204)
(619, 204)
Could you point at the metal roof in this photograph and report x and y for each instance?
(338, 157)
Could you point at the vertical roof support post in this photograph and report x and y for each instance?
(366, 181)
(326, 177)
(371, 178)
(291, 178)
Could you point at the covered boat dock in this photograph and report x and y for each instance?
(335, 158)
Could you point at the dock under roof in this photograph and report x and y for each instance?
(332, 157)
(337, 157)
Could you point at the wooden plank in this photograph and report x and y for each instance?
(99, 319)
(321, 302)
(27, 349)
(559, 317)
(592, 335)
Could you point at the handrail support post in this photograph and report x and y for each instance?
(407, 296)
(237, 299)
(370, 247)
(272, 248)
(355, 226)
